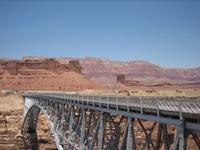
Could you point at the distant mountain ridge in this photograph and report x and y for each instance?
(105, 71)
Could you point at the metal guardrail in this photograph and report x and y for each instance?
(173, 104)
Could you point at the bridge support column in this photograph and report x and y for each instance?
(82, 138)
(130, 143)
(181, 138)
(71, 122)
(70, 135)
(101, 131)
(162, 138)
(95, 134)
(148, 132)
(128, 140)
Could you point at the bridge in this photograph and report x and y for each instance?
(86, 122)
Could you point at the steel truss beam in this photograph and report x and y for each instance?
(163, 139)
(80, 127)
(148, 133)
(196, 139)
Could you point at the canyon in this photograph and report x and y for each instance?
(41, 73)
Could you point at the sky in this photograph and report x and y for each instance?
(163, 32)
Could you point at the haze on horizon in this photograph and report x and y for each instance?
(163, 32)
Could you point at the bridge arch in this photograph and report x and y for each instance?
(29, 126)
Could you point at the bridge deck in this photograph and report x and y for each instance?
(174, 106)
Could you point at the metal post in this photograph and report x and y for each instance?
(141, 108)
(107, 103)
(165, 137)
(91, 145)
(127, 104)
(87, 100)
(180, 141)
(93, 100)
(100, 101)
(101, 131)
(117, 104)
(180, 110)
(82, 128)
(130, 144)
(158, 142)
(122, 144)
(71, 122)
(157, 107)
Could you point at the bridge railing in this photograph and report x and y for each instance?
(174, 104)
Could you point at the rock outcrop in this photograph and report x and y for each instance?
(42, 74)
(15, 67)
(121, 78)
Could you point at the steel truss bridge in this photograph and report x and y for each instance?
(83, 122)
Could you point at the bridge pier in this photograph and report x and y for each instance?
(130, 144)
(82, 138)
(181, 137)
(101, 131)
(95, 132)
(164, 139)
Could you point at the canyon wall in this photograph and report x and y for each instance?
(105, 71)
(42, 74)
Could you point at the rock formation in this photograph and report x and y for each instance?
(42, 74)
(105, 71)
(66, 73)
(121, 78)
(15, 67)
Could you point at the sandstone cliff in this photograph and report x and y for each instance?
(106, 71)
(42, 74)
(68, 73)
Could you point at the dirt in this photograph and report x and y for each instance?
(145, 91)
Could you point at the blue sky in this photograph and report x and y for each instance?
(164, 32)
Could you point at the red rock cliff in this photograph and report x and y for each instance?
(42, 74)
